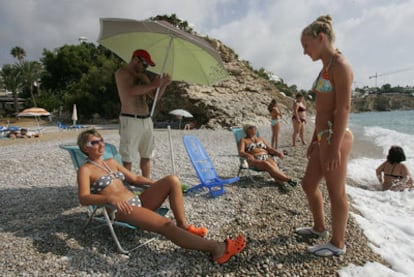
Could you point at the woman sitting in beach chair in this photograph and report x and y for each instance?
(100, 183)
(259, 155)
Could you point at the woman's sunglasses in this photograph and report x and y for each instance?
(92, 143)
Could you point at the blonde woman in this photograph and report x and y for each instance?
(331, 143)
(100, 183)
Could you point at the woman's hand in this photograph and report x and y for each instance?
(311, 147)
(250, 157)
(278, 153)
(379, 177)
(121, 205)
(333, 160)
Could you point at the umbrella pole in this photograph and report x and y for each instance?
(171, 149)
(162, 72)
(38, 124)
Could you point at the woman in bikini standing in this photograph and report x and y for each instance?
(298, 120)
(276, 121)
(331, 143)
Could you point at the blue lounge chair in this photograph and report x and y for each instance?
(78, 159)
(3, 130)
(77, 126)
(62, 126)
(204, 168)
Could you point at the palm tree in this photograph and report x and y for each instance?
(18, 53)
(30, 71)
(11, 76)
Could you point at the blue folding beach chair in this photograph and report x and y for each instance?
(204, 168)
(100, 213)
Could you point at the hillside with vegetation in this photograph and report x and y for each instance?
(386, 98)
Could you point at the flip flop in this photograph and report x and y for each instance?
(326, 250)
(285, 188)
(292, 183)
(233, 247)
(200, 231)
(308, 231)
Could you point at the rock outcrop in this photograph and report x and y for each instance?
(244, 96)
(383, 102)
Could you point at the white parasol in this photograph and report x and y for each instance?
(74, 115)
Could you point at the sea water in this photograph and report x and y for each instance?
(375, 133)
(386, 217)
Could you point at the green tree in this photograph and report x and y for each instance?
(67, 64)
(18, 53)
(83, 75)
(172, 19)
(386, 88)
(30, 73)
(11, 76)
(262, 73)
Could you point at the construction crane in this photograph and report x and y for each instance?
(376, 75)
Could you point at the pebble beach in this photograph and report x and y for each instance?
(41, 219)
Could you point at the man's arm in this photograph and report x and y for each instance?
(166, 80)
(127, 83)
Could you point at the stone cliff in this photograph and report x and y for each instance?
(383, 102)
(244, 96)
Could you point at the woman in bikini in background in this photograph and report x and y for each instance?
(331, 144)
(298, 120)
(392, 174)
(276, 121)
(258, 154)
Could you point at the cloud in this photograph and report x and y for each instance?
(375, 35)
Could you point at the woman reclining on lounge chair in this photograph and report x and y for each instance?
(258, 154)
(100, 183)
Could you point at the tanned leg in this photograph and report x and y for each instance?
(310, 185)
(336, 181)
(145, 165)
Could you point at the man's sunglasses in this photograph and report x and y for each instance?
(144, 63)
(92, 143)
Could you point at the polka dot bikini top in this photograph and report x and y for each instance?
(105, 180)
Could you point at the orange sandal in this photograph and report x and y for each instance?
(233, 247)
(201, 231)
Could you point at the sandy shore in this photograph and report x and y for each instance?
(40, 230)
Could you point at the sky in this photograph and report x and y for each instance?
(375, 35)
